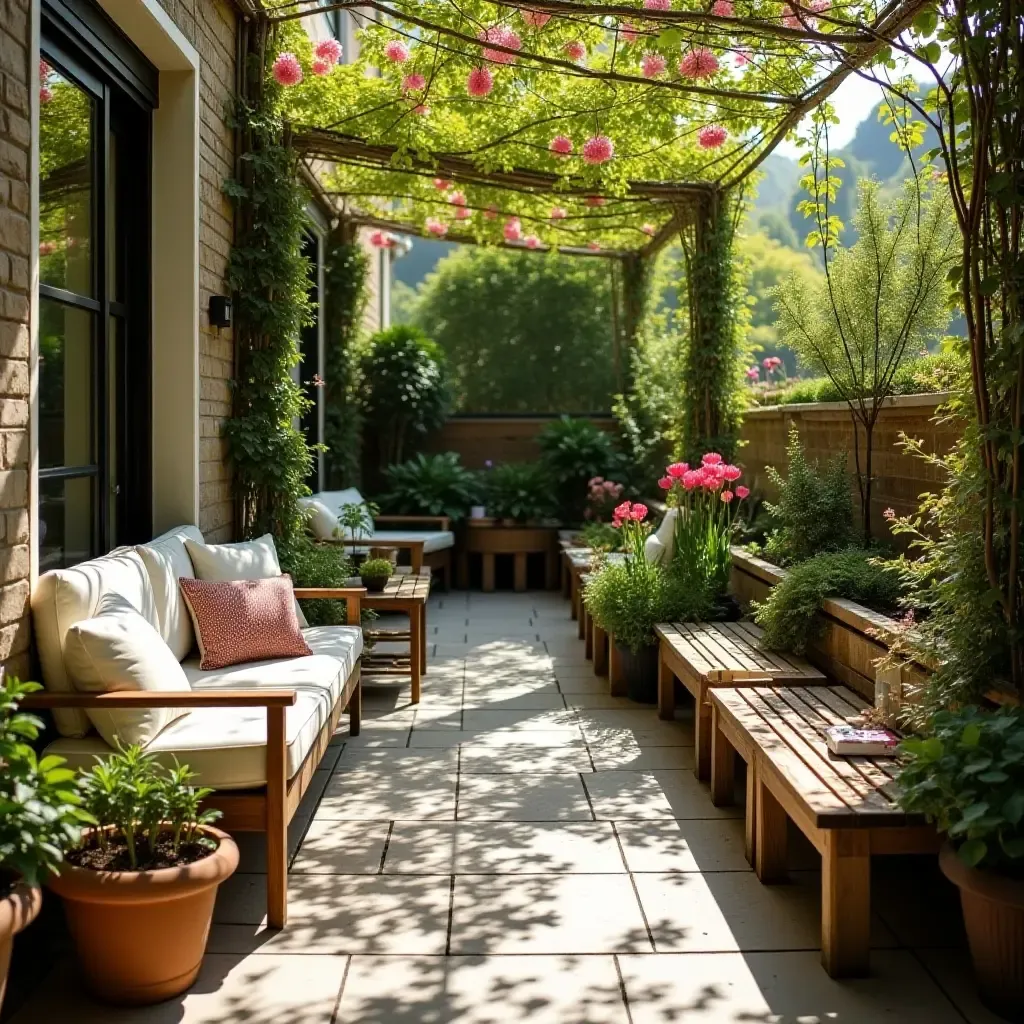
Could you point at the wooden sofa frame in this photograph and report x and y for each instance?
(271, 808)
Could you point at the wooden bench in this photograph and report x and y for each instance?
(407, 593)
(845, 806)
(702, 655)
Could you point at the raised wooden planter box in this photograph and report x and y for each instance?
(487, 538)
(854, 639)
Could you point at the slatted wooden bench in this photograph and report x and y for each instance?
(845, 806)
(702, 655)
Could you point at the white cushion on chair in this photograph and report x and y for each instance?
(322, 522)
(433, 540)
(335, 499)
(227, 746)
(167, 561)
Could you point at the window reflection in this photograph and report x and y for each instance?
(66, 523)
(65, 385)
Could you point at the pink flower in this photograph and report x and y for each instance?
(657, 5)
(713, 482)
(648, 229)
(575, 50)
(820, 6)
(742, 492)
(595, 481)
(742, 57)
(328, 50)
(665, 483)
(44, 71)
(889, 514)
(789, 18)
(726, 496)
(491, 213)
(622, 511)
(436, 227)
(558, 213)
(512, 230)
(381, 240)
(561, 145)
(594, 246)
(612, 488)
(652, 65)
(442, 184)
(536, 19)
(753, 373)
(396, 51)
(45, 94)
(711, 459)
(413, 82)
(639, 513)
(287, 70)
(47, 248)
(598, 149)
(480, 82)
(500, 35)
(677, 470)
(629, 32)
(422, 109)
(692, 478)
(732, 472)
(532, 242)
(595, 201)
(700, 62)
(711, 136)
(321, 67)
(772, 363)
(457, 198)
(723, 8)
(462, 213)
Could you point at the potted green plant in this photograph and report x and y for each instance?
(967, 775)
(375, 573)
(139, 888)
(520, 492)
(433, 485)
(40, 816)
(355, 522)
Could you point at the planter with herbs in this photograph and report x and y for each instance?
(139, 888)
(375, 573)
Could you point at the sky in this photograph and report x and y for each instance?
(854, 100)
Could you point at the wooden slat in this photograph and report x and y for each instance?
(790, 663)
(764, 661)
(693, 656)
(736, 648)
(705, 639)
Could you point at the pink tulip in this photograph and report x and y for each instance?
(677, 469)
(692, 478)
(732, 472)
(742, 492)
(665, 483)
(639, 512)
(622, 511)
(711, 459)
(726, 496)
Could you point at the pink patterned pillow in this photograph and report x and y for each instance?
(243, 620)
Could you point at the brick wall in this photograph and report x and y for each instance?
(209, 25)
(827, 430)
(15, 234)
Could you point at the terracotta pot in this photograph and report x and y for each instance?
(640, 673)
(993, 907)
(141, 935)
(375, 584)
(17, 911)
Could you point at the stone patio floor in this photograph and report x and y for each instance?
(521, 846)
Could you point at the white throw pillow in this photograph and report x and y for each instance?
(322, 522)
(115, 650)
(245, 560)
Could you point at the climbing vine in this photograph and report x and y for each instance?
(346, 269)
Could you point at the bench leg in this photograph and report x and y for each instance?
(600, 651)
(574, 595)
(566, 578)
(846, 903)
(666, 687)
(702, 734)
(488, 572)
(588, 635)
(770, 829)
(723, 764)
(550, 570)
(750, 814)
(519, 572)
(277, 822)
(423, 638)
(355, 709)
(415, 652)
(616, 685)
(581, 614)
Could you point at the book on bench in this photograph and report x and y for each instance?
(848, 740)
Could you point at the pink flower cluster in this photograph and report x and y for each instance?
(287, 70)
(396, 51)
(575, 50)
(711, 136)
(561, 145)
(536, 19)
(652, 65)
(598, 150)
(772, 363)
(628, 512)
(698, 63)
(480, 82)
(500, 35)
(436, 227)
(45, 92)
(328, 54)
(413, 83)
(601, 495)
(713, 474)
(382, 240)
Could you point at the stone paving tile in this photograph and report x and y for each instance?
(951, 969)
(501, 719)
(359, 759)
(382, 796)
(787, 988)
(488, 738)
(661, 793)
(483, 990)
(523, 798)
(543, 697)
(546, 914)
(632, 757)
(342, 847)
(688, 845)
(511, 759)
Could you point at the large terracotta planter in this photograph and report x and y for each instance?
(993, 907)
(17, 911)
(141, 935)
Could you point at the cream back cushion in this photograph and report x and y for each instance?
(245, 560)
(64, 597)
(321, 520)
(335, 499)
(166, 561)
(116, 650)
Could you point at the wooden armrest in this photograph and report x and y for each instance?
(379, 542)
(126, 699)
(441, 522)
(352, 596)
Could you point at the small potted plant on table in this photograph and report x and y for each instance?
(40, 816)
(139, 889)
(967, 776)
(375, 573)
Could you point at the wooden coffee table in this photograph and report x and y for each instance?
(406, 592)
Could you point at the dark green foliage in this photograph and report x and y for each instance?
(317, 565)
(268, 276)
(814, 510)
(520, 491)
(40, 812)
(789, 615)
(574, 451)
(435, 485)
(967, 776)
(345, 270)
(523, 333)
(600, 536)
(405, 389)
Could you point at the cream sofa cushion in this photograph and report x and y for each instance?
(244, 560)
(335, 499)
(322, 522)
(433, 540)
(63, 597)
(227, 746)
(166, 561)
(116, 650)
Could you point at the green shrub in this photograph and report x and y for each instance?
(968, 777)
(574, 451)
(317, 565)
(375, 568)
(814, 510)
(520, 491)
(789, 615)
(600, 536)
(436, 485)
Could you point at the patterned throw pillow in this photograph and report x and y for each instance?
(243, 620)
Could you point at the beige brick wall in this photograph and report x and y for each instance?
(210, 26)
(15, 236)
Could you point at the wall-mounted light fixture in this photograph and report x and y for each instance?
(220, 311)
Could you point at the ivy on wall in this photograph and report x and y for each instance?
(346, 268)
